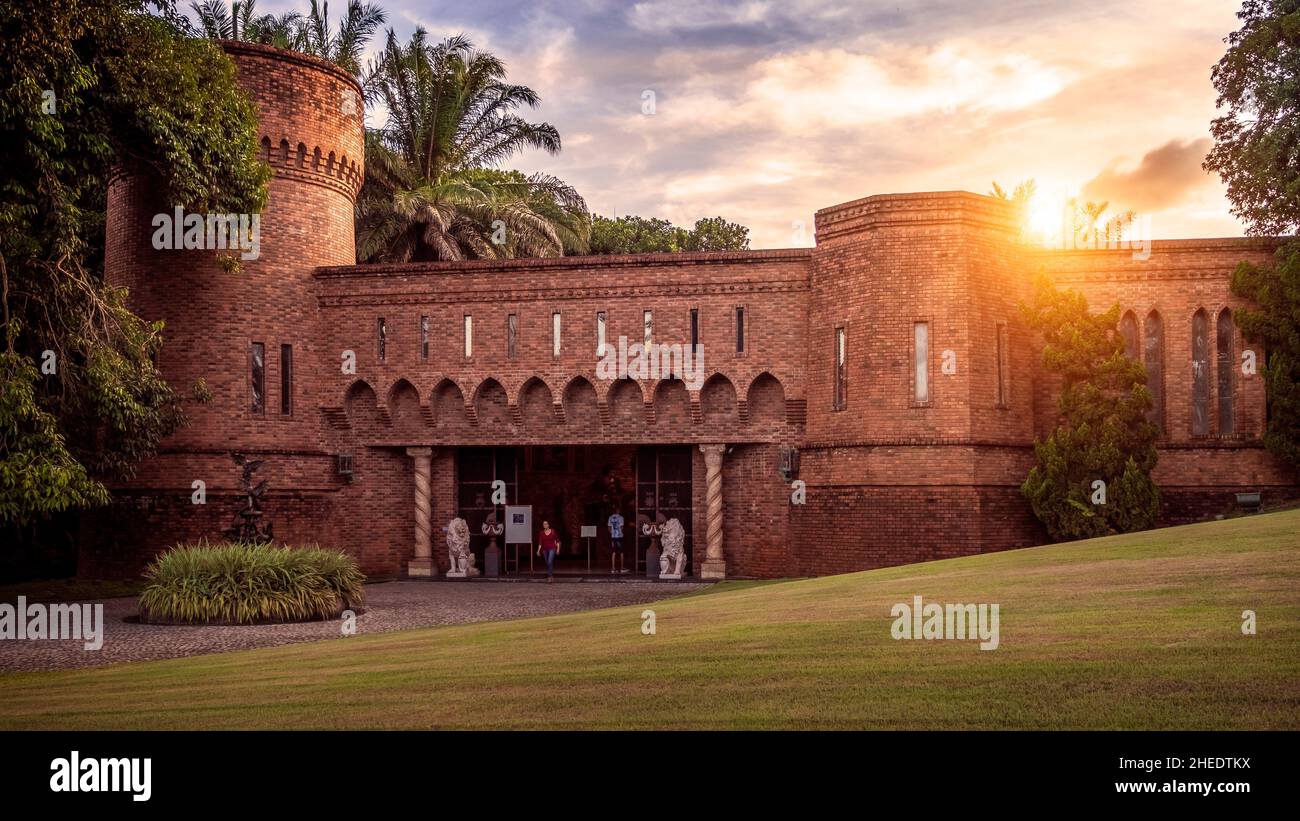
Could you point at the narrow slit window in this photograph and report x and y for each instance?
(469, 336)
(424, 338)
(1128, 329)
(740, 330)
(1002, 364)
(921, 361)
(1226, 366)
(841, 369)
(648, 320)
(555, 334)
(695, 328)
(1200, 373)
(600, 333)
(286, 380)
(512, 336)
(381, 335)
(1154, 349)
(257, 376)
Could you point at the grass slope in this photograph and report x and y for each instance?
(1136, 631)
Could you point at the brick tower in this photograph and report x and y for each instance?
(925, 443)
(218, 323)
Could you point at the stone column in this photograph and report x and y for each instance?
(714, 566)
(422, 564)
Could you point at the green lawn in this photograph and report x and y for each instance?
(1138, 631)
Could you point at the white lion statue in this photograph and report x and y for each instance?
(674, 555)
(462, 560)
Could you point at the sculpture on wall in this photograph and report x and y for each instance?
(462, 560)
(673, 559)
(247, 527)
(492, 556)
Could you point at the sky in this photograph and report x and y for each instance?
(765, 111)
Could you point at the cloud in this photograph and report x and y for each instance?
(767, 110)
(673, 15)
(1166, 176)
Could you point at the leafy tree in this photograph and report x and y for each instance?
(1257, 154)
(640, 235)
(716, 234)
(1275, 323)
(1102, 433)
(432, 187)
(1257, 142)
(85, 86)
(635, 235)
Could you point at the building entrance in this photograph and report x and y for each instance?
(575, 485)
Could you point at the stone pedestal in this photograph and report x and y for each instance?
(710, 569)
(492, 561)
(652, 563)
(670, 577)
(420, 568)
(457, 574)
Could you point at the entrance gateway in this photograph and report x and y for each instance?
(572, 486)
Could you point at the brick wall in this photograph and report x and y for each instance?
(889, 479)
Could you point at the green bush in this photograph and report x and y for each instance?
(238, 583)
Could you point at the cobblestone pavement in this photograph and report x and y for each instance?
(389, 606)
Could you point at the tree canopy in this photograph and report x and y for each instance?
(1257, 140)
(1102, 434)
(86, 86)
(646, 235)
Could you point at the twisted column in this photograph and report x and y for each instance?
(715, 566)
(422, 564)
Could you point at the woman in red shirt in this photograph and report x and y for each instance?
(548, 543)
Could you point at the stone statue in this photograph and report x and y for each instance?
(674, 555)
(247, 525)
(462, 560)
(492, 556)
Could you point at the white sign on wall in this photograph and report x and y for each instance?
(519, 524)
(588, 531)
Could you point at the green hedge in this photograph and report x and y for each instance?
(236, 583)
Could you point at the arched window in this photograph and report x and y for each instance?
(1128, 328)
(1227, 363)
(1200, 373)
(1155, 361)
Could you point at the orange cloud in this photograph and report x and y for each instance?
(1166, 176)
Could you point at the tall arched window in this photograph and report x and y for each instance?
(1155, 361)
(1200, 373)
(1128, 328)
(1227, 363)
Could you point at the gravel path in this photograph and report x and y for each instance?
(390, 606)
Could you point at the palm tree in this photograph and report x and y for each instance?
(218, 23)
(432, 188)
(310, 34)
(342, 46)
(1019, 198)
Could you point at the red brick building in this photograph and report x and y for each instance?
(887, 369)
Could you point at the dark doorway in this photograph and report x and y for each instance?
(476, 470)
(663, 489)
(575, 485)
